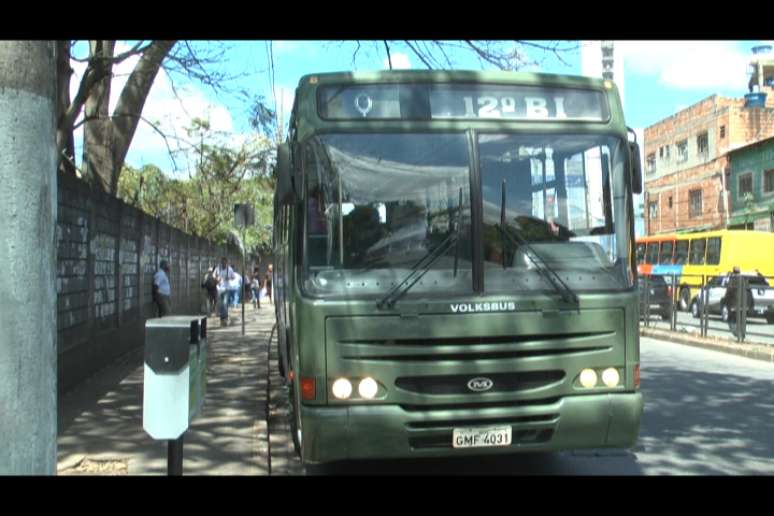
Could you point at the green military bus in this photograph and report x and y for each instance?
(455, 270)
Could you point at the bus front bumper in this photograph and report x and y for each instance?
(391, 431)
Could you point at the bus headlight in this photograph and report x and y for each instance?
(588, 378)
(368, 388)
(610, 377)
(342, 388)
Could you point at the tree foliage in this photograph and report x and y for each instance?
(224, 174)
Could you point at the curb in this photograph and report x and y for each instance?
(755, 351)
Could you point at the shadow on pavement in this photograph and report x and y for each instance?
(705, 423)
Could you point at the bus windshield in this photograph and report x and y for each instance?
(377, 204)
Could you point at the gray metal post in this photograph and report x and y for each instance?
(28, 354)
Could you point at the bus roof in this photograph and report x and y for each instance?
(705, 234)
(488, 76)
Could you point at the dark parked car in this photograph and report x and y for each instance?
(658, 297)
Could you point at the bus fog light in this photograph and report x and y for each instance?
(342, 388)
(368, 388)
(588, 378)
(610, 377)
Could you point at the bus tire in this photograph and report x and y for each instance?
(685, 299)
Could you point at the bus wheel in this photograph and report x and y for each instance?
(685, 299)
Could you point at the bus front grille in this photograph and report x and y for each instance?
(475, 348)
(500, 382)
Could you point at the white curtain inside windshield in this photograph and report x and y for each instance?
(378, 203)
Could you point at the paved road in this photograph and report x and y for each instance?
(706, 413)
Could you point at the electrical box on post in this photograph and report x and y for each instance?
(175, 374)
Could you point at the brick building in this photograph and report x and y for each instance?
(686, 158)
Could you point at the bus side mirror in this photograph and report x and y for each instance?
(634, 159)
(285, 188)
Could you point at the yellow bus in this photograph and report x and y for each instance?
(707, 253)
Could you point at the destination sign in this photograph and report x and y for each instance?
(460, 101)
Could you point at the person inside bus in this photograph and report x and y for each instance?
(362, 229)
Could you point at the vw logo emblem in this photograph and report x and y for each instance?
(480, 384)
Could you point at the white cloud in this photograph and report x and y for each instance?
(400, 61)
(689, 64)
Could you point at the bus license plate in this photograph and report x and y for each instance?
(478, 437)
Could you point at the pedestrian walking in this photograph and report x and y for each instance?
(235, 287)
(162, 291)
(256, 286)
(268, 283)
(731, 300)
(224, 274)
(210, 286)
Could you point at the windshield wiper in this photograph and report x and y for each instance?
(423, 265)
(542, 267)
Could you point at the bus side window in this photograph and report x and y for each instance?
(681, 252)
(698, 247)
(640, 253)
(713, 251)
(651, 255)
(665, 257)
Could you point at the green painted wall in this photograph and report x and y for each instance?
(754, 160)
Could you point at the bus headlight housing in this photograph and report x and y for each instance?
(588, 378)
(342, 388)
(367, 388)
(610, 377)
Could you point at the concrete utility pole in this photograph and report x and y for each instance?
(28, 195)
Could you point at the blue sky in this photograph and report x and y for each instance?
(660, 78)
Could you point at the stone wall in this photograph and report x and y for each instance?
(107, 253)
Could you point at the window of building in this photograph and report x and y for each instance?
(653, 209)
(702, 143)
(768, 181)
(666, 151)
(744, 185)
(695, 208)
(722, 131)
(650, 163)
(682, 151)
(670, 202)
(661, 152)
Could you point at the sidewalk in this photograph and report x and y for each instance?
(752, 350)
(100, 421)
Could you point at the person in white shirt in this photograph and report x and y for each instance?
(162, 291)
(234, 287)
(224, 274)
